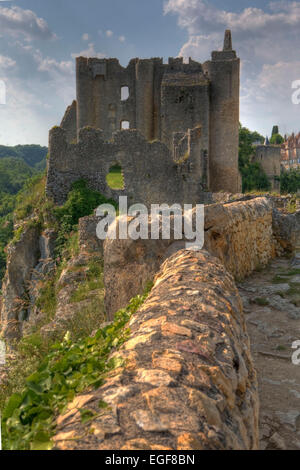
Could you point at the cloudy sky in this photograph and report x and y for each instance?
(40, 38)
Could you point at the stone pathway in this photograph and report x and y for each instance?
(272, 309)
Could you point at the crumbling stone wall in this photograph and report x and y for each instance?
(69, 122)
(151, 175)
(188, 382)
(240, 234)
(163, 98)
(269, 156)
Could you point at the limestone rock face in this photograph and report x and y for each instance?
(23, 256)
(188, 381)
(88, 239)
(130, 264)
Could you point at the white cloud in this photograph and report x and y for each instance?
(89, 52)
(53, 66)
(199, 14)
(267, 40)
(122, 38)
(38, 89)
(85, 37)
(109, 33)
(16, 21)
(6, 62)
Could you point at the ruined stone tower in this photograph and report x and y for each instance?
(224, 74)
(163, 102)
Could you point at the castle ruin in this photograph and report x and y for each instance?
(269, 157)
(173, 128)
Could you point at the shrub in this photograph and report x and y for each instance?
(290, 181)
(28, 419)
(31, 198)
(81, 202)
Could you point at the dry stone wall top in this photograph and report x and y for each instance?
(188, 382)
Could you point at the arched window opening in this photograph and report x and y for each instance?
(115, 178)
(125, 125)
(124, 93)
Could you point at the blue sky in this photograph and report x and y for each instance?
(39, 40)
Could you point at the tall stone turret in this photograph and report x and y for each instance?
(224, 73)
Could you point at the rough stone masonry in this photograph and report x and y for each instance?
(183, 121)
(188, 382)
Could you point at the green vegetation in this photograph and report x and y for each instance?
(291, 272)
(93, 281)
(81, 202)
(14, 172)
(262, 301)
(290, 181)
(31, 199)
(20, 190)
(47, 301)
(292, 206)
(281, 347)
(33, 155)
(276, 138)
(115, 178)
(65, 369)
(253, 176)
(279, 279)
(6, 234)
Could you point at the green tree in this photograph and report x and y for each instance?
(276, 139)
(290, 181)
(13, 174)
(31, 154)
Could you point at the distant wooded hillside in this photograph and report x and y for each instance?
(33, 155)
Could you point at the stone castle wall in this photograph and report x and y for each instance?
(69, 124)
(161, 96)
(164, 101)
(151, 175)
(269, 156)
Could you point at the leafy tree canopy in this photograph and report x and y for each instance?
(31, 154)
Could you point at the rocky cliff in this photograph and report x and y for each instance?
(185, 377)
